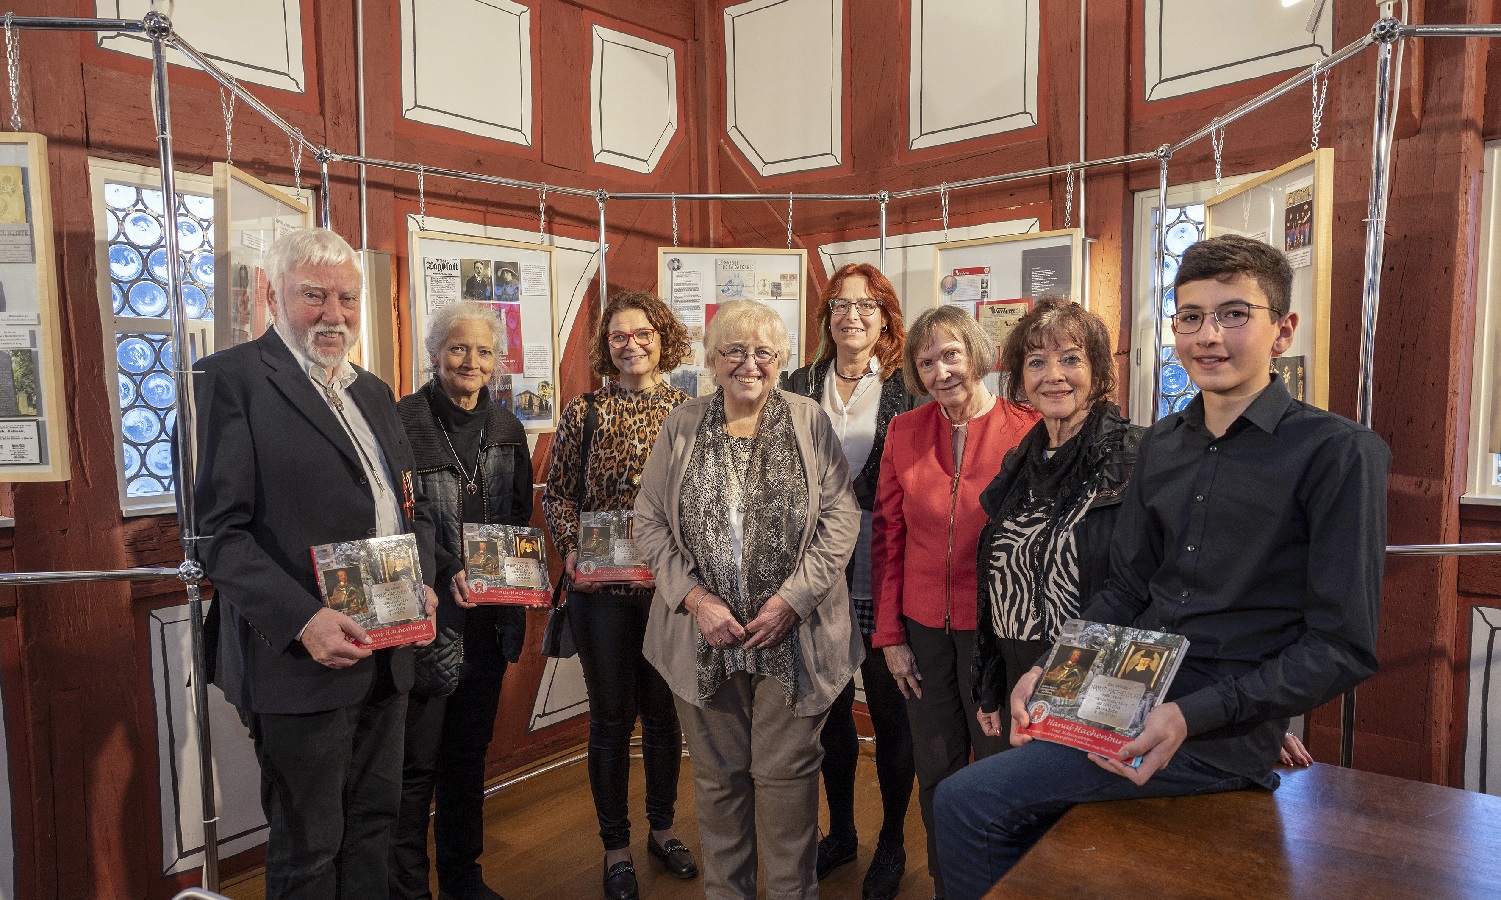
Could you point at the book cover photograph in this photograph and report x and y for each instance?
(1099, 683)
(607, 549)
(506, 564)
(378, 584)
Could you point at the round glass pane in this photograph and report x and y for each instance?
(142, 229)
(144, 486)
(118, 294)
(1174, 379)
(189, 235)
(159, 459)
(1169, 302)
(159, 390)
(148, 299)
(197, 302)
(171, 420)
(124, 262)
(1180, 237)
(203, 268)
(202, 207)
(127, 391)
(111, 226)
(153, 200)
(1169, 270)
(134, 355)
(157, 261)
(169, 360)
(140, 426)
(132, 461)
(120, 196)
(1180, 404)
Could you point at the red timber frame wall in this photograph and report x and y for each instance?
(79, 709)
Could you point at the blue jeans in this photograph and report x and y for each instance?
(990, 812)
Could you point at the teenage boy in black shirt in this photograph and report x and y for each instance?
(1255, 525)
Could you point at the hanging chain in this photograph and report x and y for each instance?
(227, 105)
(1068, 197)
(674, 220)
(1320, 94)
(943, 200)
(421, 198)
(295, 140)
(13, 67)
(789, 221)
(542, 217)
(1217, 138)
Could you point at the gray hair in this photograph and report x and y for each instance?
(440, 323)
(960, 325)
(743, 318)
(305, 247)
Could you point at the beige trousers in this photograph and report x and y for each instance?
(755, 777)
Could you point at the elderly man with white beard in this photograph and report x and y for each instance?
(298, 447)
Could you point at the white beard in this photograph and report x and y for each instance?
(305, 343)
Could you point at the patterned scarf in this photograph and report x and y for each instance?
(763, 477)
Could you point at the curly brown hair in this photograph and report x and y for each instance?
(1054, 319)
(671, 334)
(888, 348)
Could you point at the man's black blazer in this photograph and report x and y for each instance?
(277, 474)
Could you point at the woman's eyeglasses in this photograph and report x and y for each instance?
(866, 308)
(737, 354)
(642, 336)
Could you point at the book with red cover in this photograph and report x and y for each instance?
(506, 564)
(607, 549)
(1100, 682)
(378, 584)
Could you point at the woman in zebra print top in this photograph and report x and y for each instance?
(1052, 507)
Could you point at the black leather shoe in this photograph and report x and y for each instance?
(675, 857)
(620, 882)
(834, 852)
(884, 877)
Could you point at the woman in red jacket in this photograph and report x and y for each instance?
(937, 460)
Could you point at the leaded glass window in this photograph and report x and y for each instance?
(134, 225)
(1185, 228)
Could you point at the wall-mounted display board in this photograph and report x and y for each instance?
(997, 279)
(1291, 208)
(249, 215)
(517, 281)
(33, 429)
(695, 280)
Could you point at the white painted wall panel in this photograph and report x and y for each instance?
(785, 83)
(467, 65)
(258, 41)
(974, 69)
(1195, 45)
(633, 100)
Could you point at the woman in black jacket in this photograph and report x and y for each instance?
(857, 379)
(474, 465)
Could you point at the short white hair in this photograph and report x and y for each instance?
(443, 321)
(305, 247)
(740, 319)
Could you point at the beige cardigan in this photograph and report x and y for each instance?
(830, 644)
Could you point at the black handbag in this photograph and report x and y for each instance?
(557, 637)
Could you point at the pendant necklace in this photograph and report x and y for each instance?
(471, 482)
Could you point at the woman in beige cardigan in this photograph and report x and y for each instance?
(746, 518)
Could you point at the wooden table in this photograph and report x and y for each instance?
(1326, 833)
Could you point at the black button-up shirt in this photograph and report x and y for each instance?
(1265, 548)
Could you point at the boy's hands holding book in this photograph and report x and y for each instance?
(1160, 738)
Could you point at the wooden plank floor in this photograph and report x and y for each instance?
(542, 841)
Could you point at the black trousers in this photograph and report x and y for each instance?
(330, 789)
(608, 630)
(841, 751)
(944, 728)
(446, 742)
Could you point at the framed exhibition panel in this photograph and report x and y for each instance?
(1292, 208)
(694, 281)
(997, 279)
(518, 281)
(33, 426)
(249, 215)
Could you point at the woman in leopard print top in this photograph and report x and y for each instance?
(636, 341)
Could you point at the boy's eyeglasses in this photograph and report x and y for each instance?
(1229, 315)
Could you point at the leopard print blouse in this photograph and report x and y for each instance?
(628, 425)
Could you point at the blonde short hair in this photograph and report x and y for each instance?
(958, 324)
(741, 319)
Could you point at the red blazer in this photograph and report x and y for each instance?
(926, 529)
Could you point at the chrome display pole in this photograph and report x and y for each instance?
(604, 284)
(1159, 256)
(159, 28)
(885, 197)
(1387, 34)
(325, 211)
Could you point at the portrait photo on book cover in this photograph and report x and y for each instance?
(345, 589)
(594, 540)
(1143, 663)
(1068, 669)
(484, 558)
(528, 547)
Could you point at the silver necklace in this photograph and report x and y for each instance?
(471, 482)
